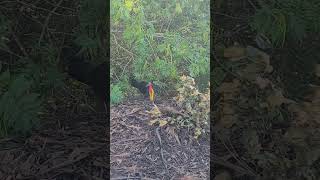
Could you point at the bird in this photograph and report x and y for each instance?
(89, 73)
(146, 88)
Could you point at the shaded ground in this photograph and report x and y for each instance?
(266, 118)
(74, 146)
(79, 151)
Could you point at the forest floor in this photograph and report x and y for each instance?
(73, 144)
(266, 109)
(154, 152)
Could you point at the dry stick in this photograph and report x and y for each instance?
(132, 54)
(223, 14)
(153, 51)
(132, 139)
(222, 162)
(126, 178)
(235, 155)
(47, 21)
(124, 68)
(252, 4)
(44, 9)
(67, 8)
(10, 52)
(65, 163)
(20, 45)
(139, 109)
(161, 149)
(229, 71)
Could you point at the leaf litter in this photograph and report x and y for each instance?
(258, 129)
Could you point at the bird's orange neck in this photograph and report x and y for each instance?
(151, 92)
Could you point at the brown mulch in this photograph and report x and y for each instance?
(75, 146)
(78, 151)
(136, 150)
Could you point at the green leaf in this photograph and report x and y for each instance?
(178, 8)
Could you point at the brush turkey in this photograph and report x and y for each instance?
(146, 88)
(87, 72)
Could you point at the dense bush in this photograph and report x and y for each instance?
(287, 20)
(195, 105)
(31, 36)
(19, 106)
(159, 40)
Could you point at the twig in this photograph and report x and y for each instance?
(65, 163)
(222, 14)
(125, 178)
(20, 45)
(10, 52)
(234, 155)
(254, 6)
(47, 21)
(222, 162)
(115, 38)
(33, 6)
(132, 139)
(224, 68)
(161, 150)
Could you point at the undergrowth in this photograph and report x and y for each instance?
(287, 20)
(196, 106)
(19, 106)
(30, 43)
(158, 40)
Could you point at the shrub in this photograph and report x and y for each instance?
(195, 104)
(18, 106)
(287, 20)
(160, 40)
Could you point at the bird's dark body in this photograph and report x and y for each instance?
(91, 74)
(140, 85)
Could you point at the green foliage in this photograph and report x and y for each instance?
(43, 78)
(166, 38)
(93, 18)
(283, 20)
(18, 106)
(42, 70)
(4, 31)
(116, 93)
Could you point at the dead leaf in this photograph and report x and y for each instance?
(168, 110)
(229, 86)
(301, 117)
(251, 71)
(251, 141)
(154, 112)
(234, 53)
(152, 122)
(171, 131)
(260, 57)
(296, 136)
(162, 122)
(262, 41)
(227, 109)
(78, 153)
(262, 82)
(227, 121)
(277, 99)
